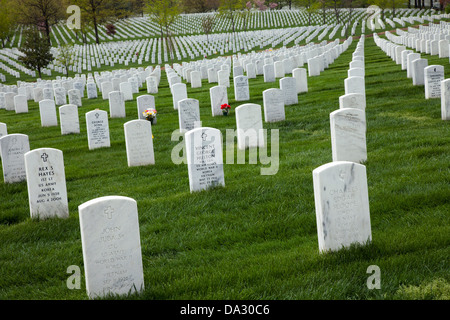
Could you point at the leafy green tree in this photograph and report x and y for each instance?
(208, 23)
(309, 7)
(164, 13)
(66, 57)
(229, 10)
(197, 6)
(382, 4)
(336, 5)
(322, 6)
(7, 21)
(95, 12)
(350, 6)
(42, 14)
(36, 52)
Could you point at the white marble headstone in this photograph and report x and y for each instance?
(107, 87)
(301, 79)
(342, 205)
(38, 94)
(12, 148)
(68, 116)
(60, 96)
(46, 182)
(188, 113)
(152, 84)
(348, 135)
(139, 143)
(249, 126)
(204, 156)
(212, 75)
(352, 100)
(196, 79)
(179, 92)
(48, 94)
(2, 100)
(97, 127)
(418, 71)
(404, 58)
(21, 104)
(144, 102)
(91, 90)
(273, 101)
(223, 78)
(241, 88)
(3, 129)
(117, 104)
(75, 97)
(409, 60)
(126, 90)
(313, 67)
(289, 87)
(269, 73)
(433, 76)
(279, 69)
(445, 99)
(47, 110)
(111, 246)
(355, 85)
(219, 96)
(9, 101)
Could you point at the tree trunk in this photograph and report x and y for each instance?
(39, 71)
(431, 4)
(169, 43)
(232, 20)
(349, 22)
(97, 39)
(47, 32)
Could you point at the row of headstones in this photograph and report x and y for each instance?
(348, 123)
(340, 187)
(56, 90)
(11, 59)
(198, 42)
(432, 44)
(115, 219)
(341, 184)
(431, 77)
(255, 61)
(205, 161)
(319, 63)
(290, 87)
(268, 67)
(340, 191)
(43, 169)
(139, 26)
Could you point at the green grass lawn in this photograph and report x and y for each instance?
(256, 238)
